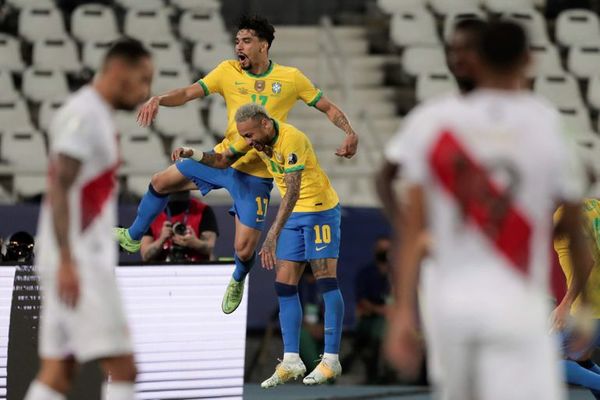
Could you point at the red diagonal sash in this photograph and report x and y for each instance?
(483, 203)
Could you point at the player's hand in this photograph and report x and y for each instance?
(148, 111)
(166, 231)
(349, 147)
(267, 252)
(403, 345)
(181, 152)
(68, 283)
(559, 317)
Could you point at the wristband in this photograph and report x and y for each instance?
(197, 155)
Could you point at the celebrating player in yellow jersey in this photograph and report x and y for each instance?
(252, 78)
(306, 229)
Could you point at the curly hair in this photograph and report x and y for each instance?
(260, 25)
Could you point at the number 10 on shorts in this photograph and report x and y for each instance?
(322, 234)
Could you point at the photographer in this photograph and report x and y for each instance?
(185, 232)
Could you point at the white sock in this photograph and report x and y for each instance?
(291, 357)
(40, 391)
(331, 357)
(118, 390)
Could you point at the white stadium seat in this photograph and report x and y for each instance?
(545, 61)
(40, 85)
(92, 22)
(143, 153)
(25, 150)
(217, 115)
(57, 54)
(27, 185)
(395, 6)
(166, 53)
(434, 84)
(169, 78)
(127, 125)
(453, 18)
(421, 59)
(197, 5)
(561, 90)
(503, 6)
(576, 119)
(10, 54)
(93, 54)
(533, 22)
(181, 121)
(593, 92)
(148, 25)
(39, 23)
(47, 111)
(15, 114)
(577, 27)
(445, 7)
(8, 92)
(141, 4)
(206, 56)
(207, 27)
(413, 28)
(584, 62)
(20, 4)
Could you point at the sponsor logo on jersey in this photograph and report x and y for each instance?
(259, 85)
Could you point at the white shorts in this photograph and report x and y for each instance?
(96, 328)
(495, 349)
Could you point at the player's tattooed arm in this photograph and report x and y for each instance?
(292, 194)
(212, 159)
(339, 119)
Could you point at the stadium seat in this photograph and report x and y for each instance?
(141, 4)
(15, 114)
(166, 53)
(207, 6)
(446, 7)
(181, 121)
(25, 150)
(10, 54)
(593, 92)
(29, 184)
(584, 62)
(433, 84)
(576, 119)
(207, 27)
(169, 78)
(533, 22)
(20, 4)
(413, 28)
(143, 153)
(545, 61)
(577, 28)
(503, 6)
(147, 25)
(421, 59)
(40, 85)
(561, 90)
(453, 18)
(91, 22)
(93, 54)
(47, 111)
(395, 6)
(206, 56)
(39, 23)
(217, 115)
(127, 125)
(8, 92)
(56, 54)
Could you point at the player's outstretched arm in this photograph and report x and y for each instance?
(212, 159)
(339, 119)
(66, 170)
(174, 98)
(292, 184)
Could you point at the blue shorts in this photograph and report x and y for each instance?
(250, 194)
(310, 236)
(566, 336)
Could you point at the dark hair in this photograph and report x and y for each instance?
(260, 25)
(503, 45)
(470, 24)
(127, 49)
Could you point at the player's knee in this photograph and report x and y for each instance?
(159, 183)
(244, 250)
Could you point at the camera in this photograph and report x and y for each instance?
(179, 229)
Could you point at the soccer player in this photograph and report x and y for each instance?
(483, 178)
(306, 229)
(82, 318)
(253, 77)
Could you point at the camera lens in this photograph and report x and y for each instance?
(179, 229)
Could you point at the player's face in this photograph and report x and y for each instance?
(136, 81)
(249, 48)
(255, 132)
(462, 53)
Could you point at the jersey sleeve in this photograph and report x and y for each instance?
(305, 89)
(213, 81)
(73, 135)
(295, 152)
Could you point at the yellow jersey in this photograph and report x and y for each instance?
(293, 151)
(277, 90)
(591, 217)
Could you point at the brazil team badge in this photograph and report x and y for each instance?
(276, 87)
(259, 85)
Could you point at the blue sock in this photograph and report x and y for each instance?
(579, 375)
(290, 316)
(334, 313)
(242, 268)
(151, 205)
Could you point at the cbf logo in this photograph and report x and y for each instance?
(276, 87)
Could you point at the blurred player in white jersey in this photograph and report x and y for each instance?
(484, 173)
(82, 318)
